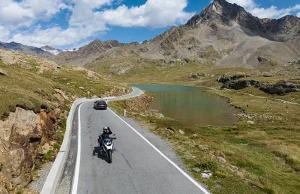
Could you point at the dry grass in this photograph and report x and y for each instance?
(263, 157)
(32, 89)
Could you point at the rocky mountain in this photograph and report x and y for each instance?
(14, 46)
(227, 34)
(224, 13)
(87, 53)
(222, 34)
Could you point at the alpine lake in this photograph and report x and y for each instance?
(191, 105)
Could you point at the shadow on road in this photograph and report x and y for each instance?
(99, 154)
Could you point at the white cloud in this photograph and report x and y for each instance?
(89, 18)
(154, 14)
(86, 22)
(247, 4)
(271, 12)
(23, 14)
(298, 15)
(4, 33)
(56, 36)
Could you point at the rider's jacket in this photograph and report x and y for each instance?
(104, 135)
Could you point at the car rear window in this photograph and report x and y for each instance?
(101, 102)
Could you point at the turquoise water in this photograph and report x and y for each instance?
(191, 105)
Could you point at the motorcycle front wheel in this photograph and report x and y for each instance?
(109, 154)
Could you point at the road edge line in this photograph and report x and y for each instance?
(77, 165)
(49, 186)
(53, 177)
(164, 156)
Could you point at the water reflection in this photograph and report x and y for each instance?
(191, 105)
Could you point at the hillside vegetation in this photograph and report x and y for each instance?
(259, 153)
(36, 95)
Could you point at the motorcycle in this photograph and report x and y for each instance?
(107, 147)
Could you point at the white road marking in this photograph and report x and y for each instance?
(170, 161)
(77, 167)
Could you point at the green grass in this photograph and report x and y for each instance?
(263, 157)
(260, 158)
(32, 90)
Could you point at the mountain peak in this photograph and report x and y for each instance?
(219, 11)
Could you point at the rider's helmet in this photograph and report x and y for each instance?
(106, 129)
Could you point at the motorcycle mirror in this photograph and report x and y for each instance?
(114, 134)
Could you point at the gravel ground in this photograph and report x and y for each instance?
(38, 184)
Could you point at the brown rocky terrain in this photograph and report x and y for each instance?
(222, 34)
(86, 53)
(24, 135)
(231, 35)
(36, 95)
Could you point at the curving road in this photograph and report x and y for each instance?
(138, 167)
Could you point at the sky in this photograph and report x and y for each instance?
(67, 24)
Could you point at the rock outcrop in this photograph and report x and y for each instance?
(2, 72)
(280, 88)
(239, 84)
(22, 136)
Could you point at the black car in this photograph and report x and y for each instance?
(100, 104)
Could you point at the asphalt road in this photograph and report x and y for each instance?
(137, 166)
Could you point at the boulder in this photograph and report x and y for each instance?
(226, 78)
(206, 174)
(250, 122)
(201, 74)
(181, 132)
(2, 72)
(196, 169)
(20, 123)
(268, 74)
(239, 84)
(280, 88)
(223, 79)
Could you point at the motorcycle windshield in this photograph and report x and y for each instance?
(107, 140)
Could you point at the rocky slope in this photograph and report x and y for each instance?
(86, 53)
(232, 35)
(223, 34)
(222, 12)
(36, 95)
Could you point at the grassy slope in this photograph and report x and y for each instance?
(263, 157)
(30, 89)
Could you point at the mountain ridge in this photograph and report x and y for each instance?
(225, 13)
(86, 53)
(25, 49)
(221, 34)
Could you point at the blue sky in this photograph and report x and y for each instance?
(66, 24)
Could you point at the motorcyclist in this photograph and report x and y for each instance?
(105, 134)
